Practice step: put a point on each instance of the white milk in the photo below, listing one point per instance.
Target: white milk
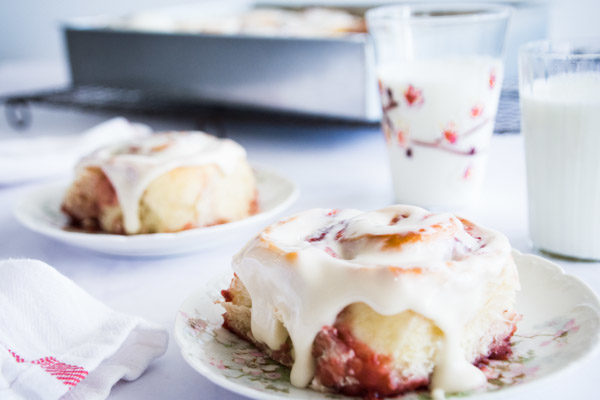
(438, 123)
(561, 124)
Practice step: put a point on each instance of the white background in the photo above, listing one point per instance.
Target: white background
(334, 167)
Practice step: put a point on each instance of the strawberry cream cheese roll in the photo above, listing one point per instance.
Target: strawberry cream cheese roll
(376, 303)
(163, 182)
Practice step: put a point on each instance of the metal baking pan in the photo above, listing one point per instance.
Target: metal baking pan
(323, 77)
(328, 77)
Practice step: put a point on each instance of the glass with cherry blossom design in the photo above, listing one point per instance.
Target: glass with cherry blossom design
(439, 69)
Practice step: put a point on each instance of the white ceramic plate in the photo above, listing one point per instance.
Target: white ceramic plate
(560, 327)
(40, 212)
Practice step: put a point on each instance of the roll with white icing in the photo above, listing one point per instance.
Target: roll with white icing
(162, 182)
(376, 303)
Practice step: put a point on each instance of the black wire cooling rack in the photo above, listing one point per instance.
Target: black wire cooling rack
(153, 103)
(508, 118)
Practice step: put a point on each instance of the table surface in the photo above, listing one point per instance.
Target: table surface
(333, 166)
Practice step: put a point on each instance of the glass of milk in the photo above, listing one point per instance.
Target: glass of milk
(440, 70)
(559, 85)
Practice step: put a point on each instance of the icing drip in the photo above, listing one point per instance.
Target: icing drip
(301, 272)
(132, 166)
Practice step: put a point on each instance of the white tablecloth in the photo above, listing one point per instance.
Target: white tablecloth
(334, 167)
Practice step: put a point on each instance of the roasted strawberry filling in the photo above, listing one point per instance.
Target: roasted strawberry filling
(351, 367)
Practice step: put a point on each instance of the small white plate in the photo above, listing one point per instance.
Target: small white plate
(40, 212)
(560, 327)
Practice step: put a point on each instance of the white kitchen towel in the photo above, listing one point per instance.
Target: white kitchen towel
(28, 158)
(56, 341)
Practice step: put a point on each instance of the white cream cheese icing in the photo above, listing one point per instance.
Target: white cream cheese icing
(131, 166)
(301, 272)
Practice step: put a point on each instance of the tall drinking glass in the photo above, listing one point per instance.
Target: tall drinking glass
(560, 106)
(440, 71)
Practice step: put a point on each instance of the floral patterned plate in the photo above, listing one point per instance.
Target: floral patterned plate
(560, 326)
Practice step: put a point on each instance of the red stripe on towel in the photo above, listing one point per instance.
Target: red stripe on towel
(68, 374)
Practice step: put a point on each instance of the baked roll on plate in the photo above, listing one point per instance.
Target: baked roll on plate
(158, 194)
(377, 303)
